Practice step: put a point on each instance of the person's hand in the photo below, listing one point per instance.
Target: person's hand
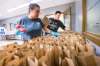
(55, 33)
(66, 29)
(18, 26)
(22, 30)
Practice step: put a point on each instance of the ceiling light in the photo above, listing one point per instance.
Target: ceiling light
(19, 7)
(35, 1)
(23, 5)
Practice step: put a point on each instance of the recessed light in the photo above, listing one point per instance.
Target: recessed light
(23, 5)
(19, 7)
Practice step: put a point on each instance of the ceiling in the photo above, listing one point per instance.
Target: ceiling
(10, 8)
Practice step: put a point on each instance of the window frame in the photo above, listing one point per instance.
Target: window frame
(91, 36)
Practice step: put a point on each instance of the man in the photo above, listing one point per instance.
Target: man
(55, 23)
(30, 26)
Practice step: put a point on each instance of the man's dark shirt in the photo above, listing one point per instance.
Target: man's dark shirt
(55, 24)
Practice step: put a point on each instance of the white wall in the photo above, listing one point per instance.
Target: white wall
(7, 22)
(44, 12)
(73, 16)
(6, 5)
(77, 16)
(21, 6)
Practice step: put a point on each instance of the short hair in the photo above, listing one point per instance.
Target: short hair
(32, 6)
(58, 12)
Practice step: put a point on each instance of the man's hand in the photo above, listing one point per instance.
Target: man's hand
(67, 28)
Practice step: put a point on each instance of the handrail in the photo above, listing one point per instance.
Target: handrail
(93, 37)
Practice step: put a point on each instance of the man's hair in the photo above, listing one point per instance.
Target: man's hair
(32, 6)
(58, 12)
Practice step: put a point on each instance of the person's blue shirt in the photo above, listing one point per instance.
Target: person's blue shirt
(33, 27)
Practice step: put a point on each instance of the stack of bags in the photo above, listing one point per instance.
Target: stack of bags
(69, 49)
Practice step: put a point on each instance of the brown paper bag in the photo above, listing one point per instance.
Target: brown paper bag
(89, 49)
(64, 63)
(2, 62)
(42, 61)
(32, 62)
(50, 58)
(39, 53)
(70, 61)
(86, 60)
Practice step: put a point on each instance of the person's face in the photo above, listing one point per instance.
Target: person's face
(35, 13)
(57, 16)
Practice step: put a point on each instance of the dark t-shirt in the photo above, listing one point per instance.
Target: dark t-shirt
(33, 27)
(55, 24)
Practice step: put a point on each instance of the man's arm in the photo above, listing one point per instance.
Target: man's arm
(62, 25)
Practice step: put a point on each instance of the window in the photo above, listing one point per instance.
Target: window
(92, 22)
(93, 16)
(12, 26)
